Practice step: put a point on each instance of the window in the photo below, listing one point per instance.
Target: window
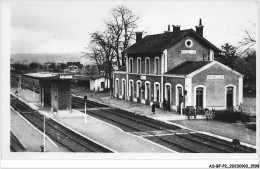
(147, 91)
(147, 65)
(199, 97)
(138, 89)
(117, 86)
(139, 65)
(229, 97)
(188, 43)
(131, 88)
(131, 65)
(157, 92)
(156, 65)
(102, 85)
(123, 88)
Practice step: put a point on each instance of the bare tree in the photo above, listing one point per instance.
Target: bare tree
(106, 43)
(96, 54)
(121, 26)
(248, 39)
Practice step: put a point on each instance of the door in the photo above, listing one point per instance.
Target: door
(180, 98)
(199, 98)
(148, 91)
(157, 93)
(168, 99)
(229, 98)
(124, 89)
(139, 92)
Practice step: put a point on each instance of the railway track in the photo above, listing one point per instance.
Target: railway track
(26, 83)
(72, 141)
(78, 102)
(163, 133)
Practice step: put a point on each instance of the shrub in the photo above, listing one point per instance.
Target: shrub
(251, 126)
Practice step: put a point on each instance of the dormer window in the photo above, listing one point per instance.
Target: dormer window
(147, 65)
(131, 65)
(188, 43)
(139, 65)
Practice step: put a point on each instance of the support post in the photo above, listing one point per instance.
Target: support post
(85, 100)
(85, 112)
(44, 135)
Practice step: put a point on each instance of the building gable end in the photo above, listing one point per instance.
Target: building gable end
(211, 64)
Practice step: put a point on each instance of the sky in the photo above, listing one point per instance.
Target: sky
(64, 27)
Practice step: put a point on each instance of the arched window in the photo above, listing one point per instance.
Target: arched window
(230, 96)
(131, 65)
(139, 65)
(131, 87)
(200, 96)
(156, 65)
(147, 90)
(138, 89)
(117, 86)
(147, 65)
(123, 87)
(179, 97)
(157, 91)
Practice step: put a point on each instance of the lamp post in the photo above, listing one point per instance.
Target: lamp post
(33, 90)
(85, 100)
(20, 82)
(44, 135)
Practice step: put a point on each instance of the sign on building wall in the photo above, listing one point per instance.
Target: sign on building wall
(213, 77)
(143, 77)
(188, 51)
(65, 76)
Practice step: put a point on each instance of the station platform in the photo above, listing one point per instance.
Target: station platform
(97, 130)
(30, 137)
(137, 108)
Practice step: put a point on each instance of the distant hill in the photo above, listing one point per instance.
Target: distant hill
(27, 58)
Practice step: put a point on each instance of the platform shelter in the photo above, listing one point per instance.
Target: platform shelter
(54, 89)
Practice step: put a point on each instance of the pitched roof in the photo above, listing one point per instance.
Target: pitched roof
(160, 42)
(188, 67)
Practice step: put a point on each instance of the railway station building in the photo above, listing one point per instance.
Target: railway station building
(54, 89)
(177, 66)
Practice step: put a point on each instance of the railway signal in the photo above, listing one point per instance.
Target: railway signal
(85, 100)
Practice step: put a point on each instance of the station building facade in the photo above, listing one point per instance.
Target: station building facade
(177, 66)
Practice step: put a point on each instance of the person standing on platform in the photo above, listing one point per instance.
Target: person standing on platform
(153, 108)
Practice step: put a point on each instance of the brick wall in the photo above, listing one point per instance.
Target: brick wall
(174, 53)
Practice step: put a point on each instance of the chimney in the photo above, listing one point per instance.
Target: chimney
(169, 29)
(199, 29)
(176, 28)
(139, 36)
